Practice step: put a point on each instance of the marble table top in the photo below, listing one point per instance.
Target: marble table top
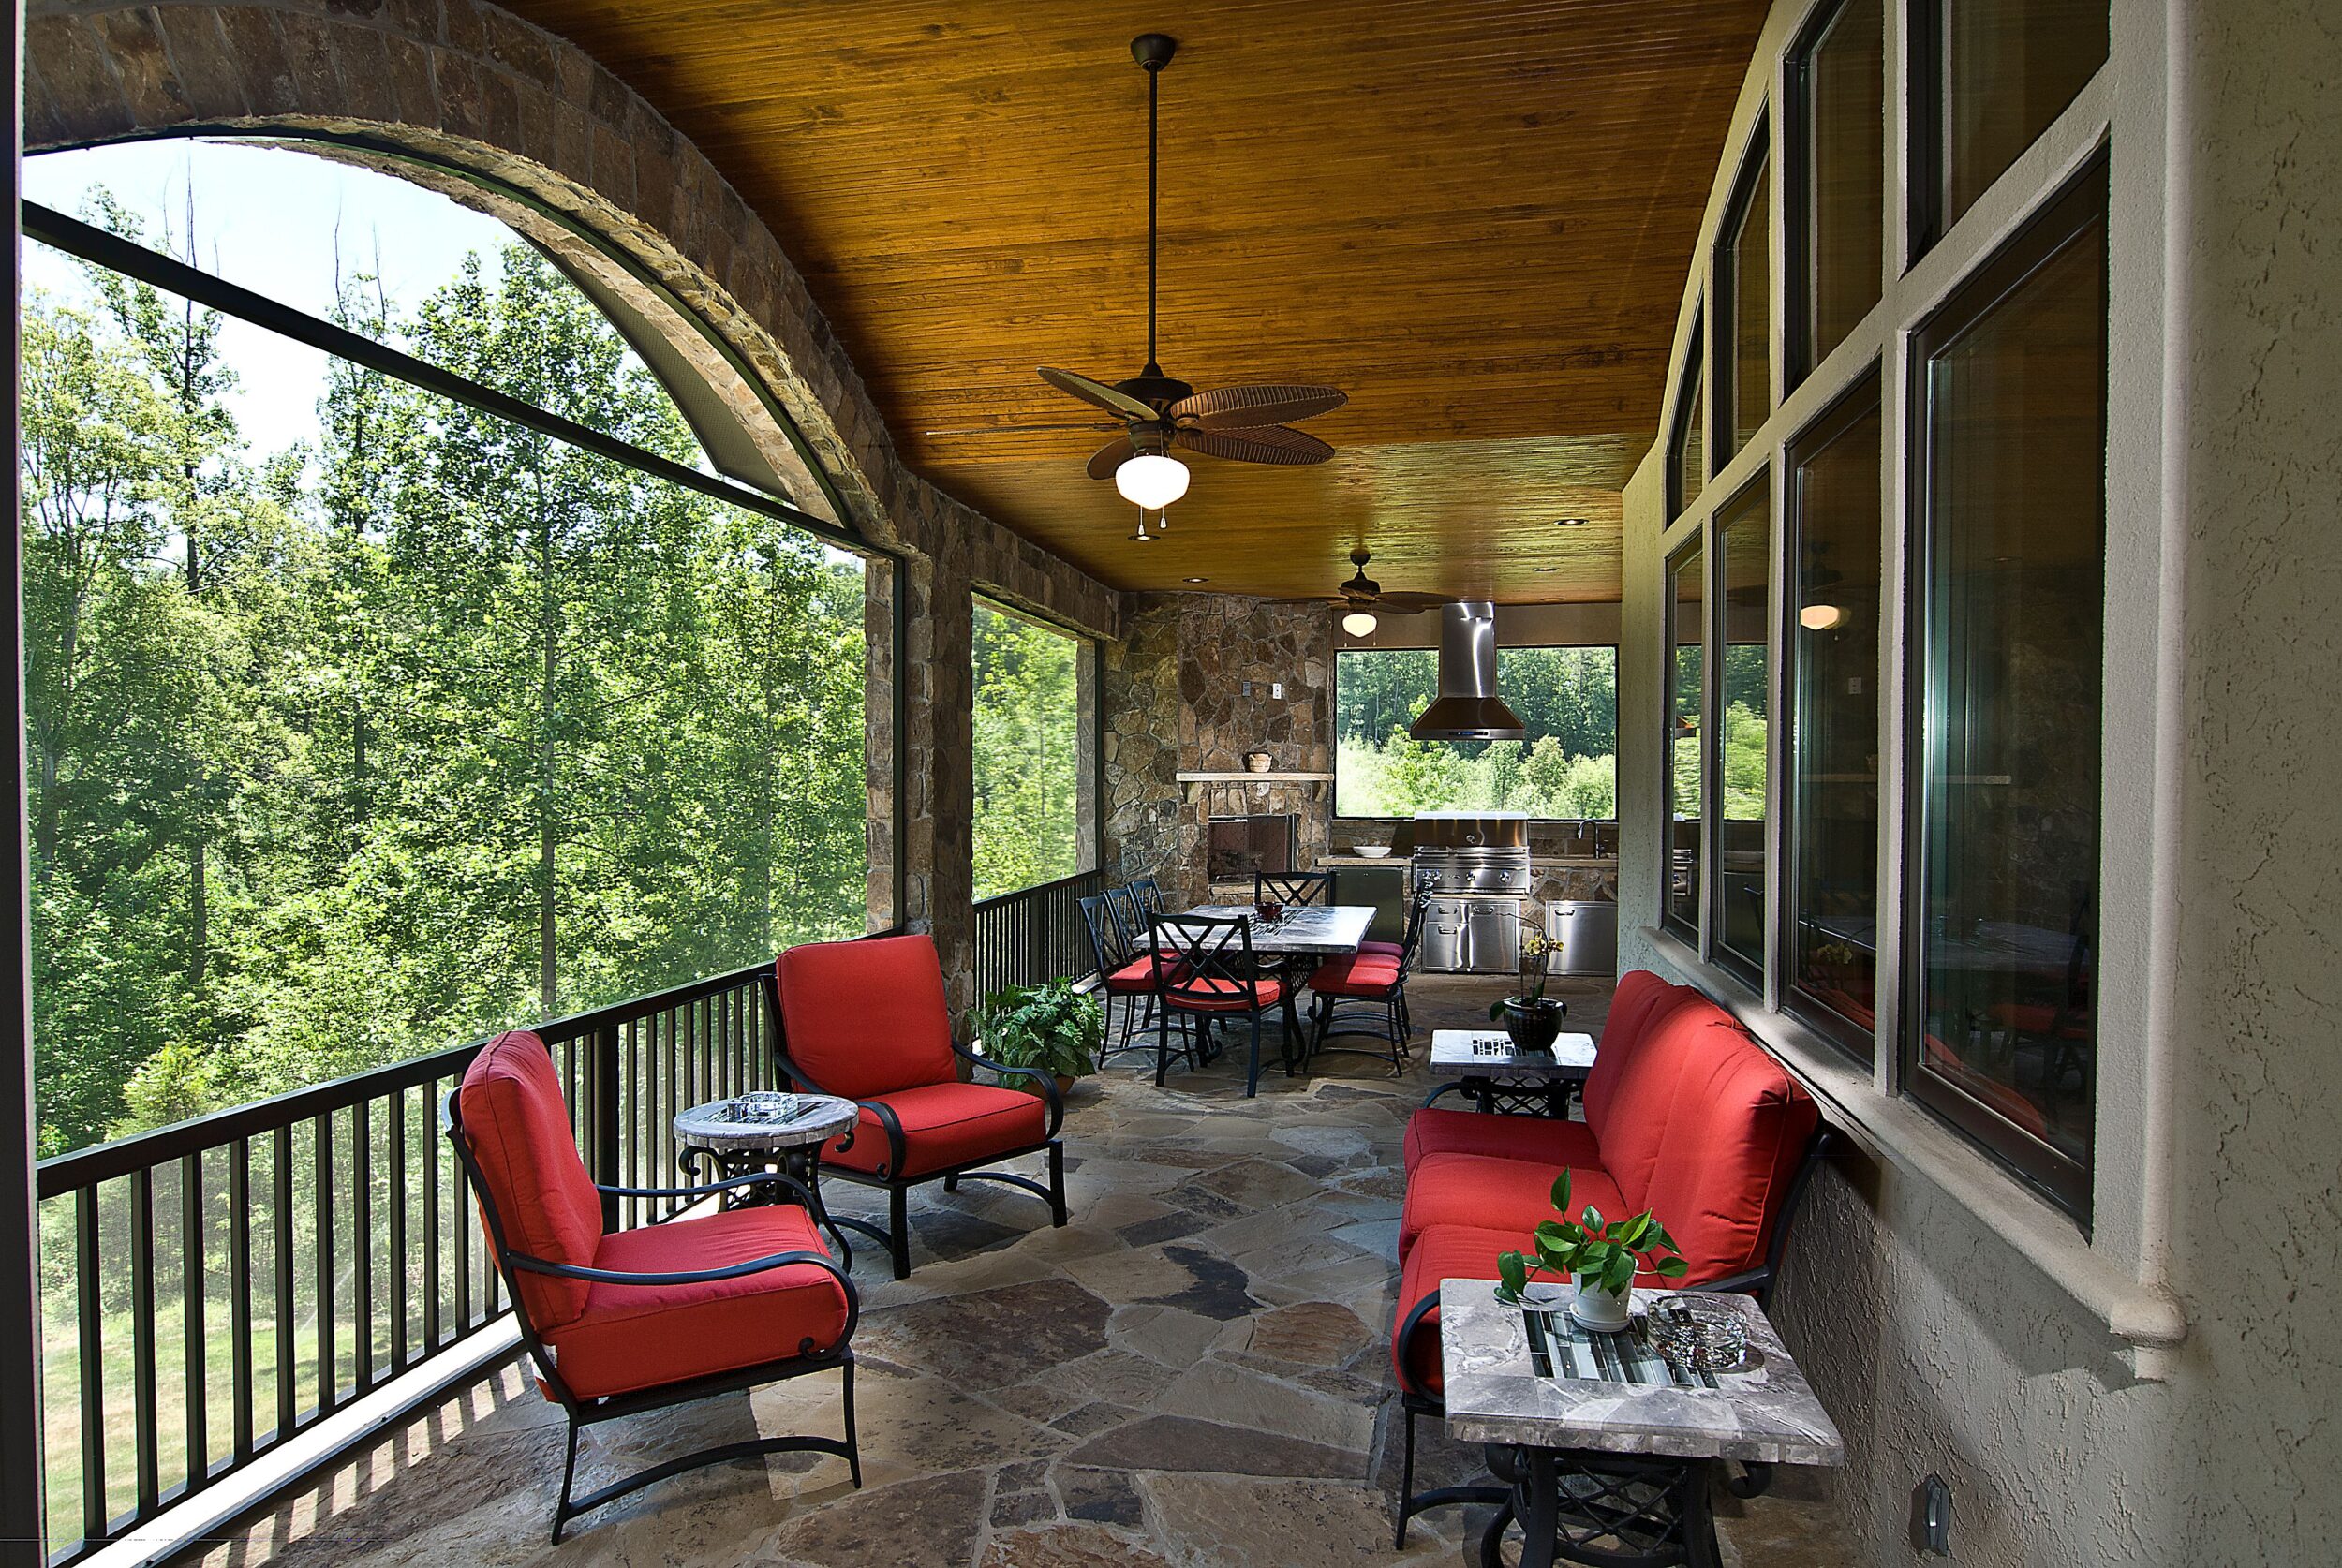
(1488, 1053)
(719, 1124)
(1312, 929)
(1496, 1393)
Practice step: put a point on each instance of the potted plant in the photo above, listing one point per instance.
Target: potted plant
(1530, 1017)
(1601, 1260)
(1052, 1027)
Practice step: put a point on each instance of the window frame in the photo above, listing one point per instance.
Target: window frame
(1799, 353)
(1089, 740)
(1859, 400)
(1693, 544)
(1755, 169)
(1690, 386)
(1333, 692)
(2061, 219)
(1755, 492)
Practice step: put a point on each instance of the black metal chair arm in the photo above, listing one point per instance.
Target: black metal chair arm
(1048, 1081)
(682, 1277)
(1407, 1327)
(896, 1150)
(1453, 1087)
(748, 1179)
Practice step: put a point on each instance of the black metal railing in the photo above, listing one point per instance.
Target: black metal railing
(214, 1288)
(1034, 934)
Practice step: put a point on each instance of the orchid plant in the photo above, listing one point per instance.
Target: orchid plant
(1602, 1255)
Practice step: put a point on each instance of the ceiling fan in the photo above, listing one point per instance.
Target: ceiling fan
(1360, 596)
(1245, 424)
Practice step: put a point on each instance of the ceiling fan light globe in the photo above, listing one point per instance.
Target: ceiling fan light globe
(1821, 617)
(1359, 623)
(1150, 480)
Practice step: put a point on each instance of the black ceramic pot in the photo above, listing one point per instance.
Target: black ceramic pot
(1533, 1025)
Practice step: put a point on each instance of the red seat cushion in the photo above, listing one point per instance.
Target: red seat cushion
(944, 1125)
(1990, 1093)
(632, 1337)
(1136, 978)
(862, 1019)
(519, 1129)
(1546, 1140)
(1642, 999)
(1383, 950)
(1732, 1145)
(1355, 975)
(1442, 1252)
(1486, 1189)
(1192, 995)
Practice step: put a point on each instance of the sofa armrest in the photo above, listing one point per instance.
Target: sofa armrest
(1055, 1101)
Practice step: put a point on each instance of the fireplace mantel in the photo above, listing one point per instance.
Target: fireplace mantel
(1254, 778)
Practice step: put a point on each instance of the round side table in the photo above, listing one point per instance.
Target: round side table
(718, 1141)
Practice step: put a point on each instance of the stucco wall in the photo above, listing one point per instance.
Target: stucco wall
(1944, 1322)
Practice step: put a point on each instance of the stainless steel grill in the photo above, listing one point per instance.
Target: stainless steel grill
(1477, 865)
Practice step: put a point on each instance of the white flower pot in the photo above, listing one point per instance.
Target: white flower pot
(1597, 1308)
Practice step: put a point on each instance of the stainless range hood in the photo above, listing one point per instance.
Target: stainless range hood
(1467, 706)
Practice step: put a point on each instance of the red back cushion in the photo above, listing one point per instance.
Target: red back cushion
(1643, 1096)
(1641, 1000)
(1732, 1149)
(862, 1019)
(514, 1114)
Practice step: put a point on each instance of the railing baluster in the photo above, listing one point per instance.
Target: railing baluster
(240, 1293)
(398, 1141)
(434, 1148)
(196, 1359)
(143, 1335)
(322, 1197)
(89, 1282)
(281, 1226)
(362, 1237)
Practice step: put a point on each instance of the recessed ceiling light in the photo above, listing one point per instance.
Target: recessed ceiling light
(1572, 522)
(1195, 579)
(1548, 569)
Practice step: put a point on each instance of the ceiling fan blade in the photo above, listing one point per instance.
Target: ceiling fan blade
(1408, 603)
(1023, 429)
(1267, 443)
(1109, 457)
(1098, 393)
(1246, 408)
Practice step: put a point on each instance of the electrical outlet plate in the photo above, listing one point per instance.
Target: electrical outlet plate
(1931, 1517)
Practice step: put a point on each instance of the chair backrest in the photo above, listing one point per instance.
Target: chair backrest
(863, 1018)
(1730, 1156)
(1098, 920)
(1205, 959)
(1128, 918)
(1293, 889)
(1641, 999)
(1149, 895)
(1418, 910)
(510, 1113)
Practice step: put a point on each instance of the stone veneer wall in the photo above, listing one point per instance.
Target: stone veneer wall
(1176, 701)
(477, 88)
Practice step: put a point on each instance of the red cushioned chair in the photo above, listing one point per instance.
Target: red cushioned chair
(867, 1020)
(631, 1321)
(1210, 976)
(1121, 972)
(1373, 984)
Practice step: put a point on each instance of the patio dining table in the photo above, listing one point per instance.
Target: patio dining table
(1306, 930)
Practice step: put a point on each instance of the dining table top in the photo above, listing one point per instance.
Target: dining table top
(1318, 930)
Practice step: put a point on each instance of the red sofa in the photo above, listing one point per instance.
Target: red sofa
(1686, 1116)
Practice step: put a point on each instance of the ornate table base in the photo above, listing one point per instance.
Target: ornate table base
(1610, 1510)
(800, 1162)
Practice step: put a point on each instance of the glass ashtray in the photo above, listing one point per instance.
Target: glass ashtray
(763, 1105)
(1697, 1336)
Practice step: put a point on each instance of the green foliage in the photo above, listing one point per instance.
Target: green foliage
(1028, 729)
(1567, 698)
(1052, 1027)
(339, 757)
(1606, 1253)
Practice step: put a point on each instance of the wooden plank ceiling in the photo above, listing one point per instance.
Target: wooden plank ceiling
(1472, 215)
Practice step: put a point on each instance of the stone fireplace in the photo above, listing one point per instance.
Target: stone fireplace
(1237, 849)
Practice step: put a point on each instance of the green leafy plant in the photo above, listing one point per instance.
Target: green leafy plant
(1052, 1027)
(1608, 1254)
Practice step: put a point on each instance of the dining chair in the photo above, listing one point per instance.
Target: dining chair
(1294, 890)
(1374, 985)
(1212, 976)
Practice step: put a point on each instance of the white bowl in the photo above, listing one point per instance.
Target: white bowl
(1369, 852)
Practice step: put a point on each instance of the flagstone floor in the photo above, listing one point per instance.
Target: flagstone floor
(1193, 1372)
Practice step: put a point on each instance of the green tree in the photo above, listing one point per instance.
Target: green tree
(1027, 726)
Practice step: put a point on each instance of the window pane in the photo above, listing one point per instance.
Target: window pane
(1027, 740)
(1567, 767)
(2012, 584)
(1687, 463)
(1842, 95)
(1833, 708)
(1745, 552)
(1687, 629)
(1744, 349)
(427, 726)
(2010, 67)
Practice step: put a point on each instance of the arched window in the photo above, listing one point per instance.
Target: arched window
(417, 643)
